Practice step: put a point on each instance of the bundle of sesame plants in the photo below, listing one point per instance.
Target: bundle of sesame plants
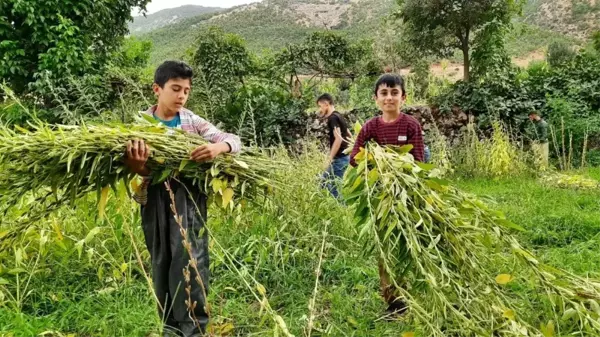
(455, 261)
(58, 164)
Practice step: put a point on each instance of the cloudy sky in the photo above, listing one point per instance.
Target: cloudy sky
(157, 5)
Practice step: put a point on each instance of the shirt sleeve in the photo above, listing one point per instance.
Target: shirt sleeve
(140, 195)
(415, 137)
(214, 135)
(361, 139)
(334, 122)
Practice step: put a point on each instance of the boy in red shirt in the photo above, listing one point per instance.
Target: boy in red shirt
(391, 128)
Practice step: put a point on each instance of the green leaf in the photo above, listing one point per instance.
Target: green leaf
(568, 314)
(509, 224)
(547, 330)
(425, 166)
(405, 148)
(163, 176)
(183, 164)
(149, 119)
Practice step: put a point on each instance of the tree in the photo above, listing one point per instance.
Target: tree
(221, 62)
(222, 59)
(59, 37)
(330, 54)
(441, 26)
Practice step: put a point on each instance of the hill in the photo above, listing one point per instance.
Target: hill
(143, 24)
(271, 24)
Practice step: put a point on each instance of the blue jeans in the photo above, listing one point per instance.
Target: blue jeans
(334, 174)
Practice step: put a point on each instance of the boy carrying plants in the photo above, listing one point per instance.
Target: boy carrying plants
(172, 85)
(391, 128)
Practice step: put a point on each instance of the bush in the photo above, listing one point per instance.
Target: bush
(265, 115)
(559, 52)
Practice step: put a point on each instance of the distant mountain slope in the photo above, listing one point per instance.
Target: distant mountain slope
(166, 17)
(576, 18)
(271, 24)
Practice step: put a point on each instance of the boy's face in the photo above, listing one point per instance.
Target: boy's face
(389, 99)
(323, 107)
(174, 94)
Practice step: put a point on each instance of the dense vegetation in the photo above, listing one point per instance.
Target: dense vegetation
(298, 254)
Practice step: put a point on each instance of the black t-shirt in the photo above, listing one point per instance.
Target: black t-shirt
(335, 120)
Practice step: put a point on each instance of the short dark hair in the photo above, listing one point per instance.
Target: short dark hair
(325, 98)
(390, 80)
(534, 113)
(169, 70)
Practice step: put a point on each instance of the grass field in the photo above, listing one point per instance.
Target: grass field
(57, 279)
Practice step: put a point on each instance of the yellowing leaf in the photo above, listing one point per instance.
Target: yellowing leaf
(225, 328)
(227, 196)
(547, 330)
(408, 334)
(357, 128)
(102, 202)
(510, 314)
(135, 185)
(503, 278)
(261, 289)
(360, 155)
(241, 164)
(216, 184)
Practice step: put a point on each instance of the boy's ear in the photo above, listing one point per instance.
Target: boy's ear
(156, 89)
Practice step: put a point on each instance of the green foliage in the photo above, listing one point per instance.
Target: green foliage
(570, 90)
(222, 59)
(57, 38)
(559, 53)
(439, 27)
(265, 114)
(327, 53)
(495, 156)
(596, 40)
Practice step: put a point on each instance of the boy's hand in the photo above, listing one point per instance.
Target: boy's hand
(209, 151)
(136, 156)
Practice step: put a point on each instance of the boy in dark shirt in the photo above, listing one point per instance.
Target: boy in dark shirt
(391, 128)
(337, 162)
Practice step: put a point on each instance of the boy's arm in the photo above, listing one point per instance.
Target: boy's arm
(415, 137)
(216, 136)
(337, 143)
(360, 142)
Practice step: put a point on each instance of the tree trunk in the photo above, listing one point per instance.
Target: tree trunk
(466, 62)
(464, 47)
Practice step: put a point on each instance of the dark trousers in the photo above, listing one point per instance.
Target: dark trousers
(169, 256)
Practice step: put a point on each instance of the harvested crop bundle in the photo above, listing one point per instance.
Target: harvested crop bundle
(569, 181)
(454, 261)
(63, 163)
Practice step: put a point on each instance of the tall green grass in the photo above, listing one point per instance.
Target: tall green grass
(56, 277)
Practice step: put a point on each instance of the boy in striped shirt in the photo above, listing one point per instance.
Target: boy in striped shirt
(172, 85)
(391, 128)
